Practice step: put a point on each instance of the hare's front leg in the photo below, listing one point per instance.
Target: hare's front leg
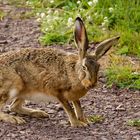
(70, 112)
(78, 111)
(7, 117)
(17, 106)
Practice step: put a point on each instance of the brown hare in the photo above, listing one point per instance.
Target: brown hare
(43, 74)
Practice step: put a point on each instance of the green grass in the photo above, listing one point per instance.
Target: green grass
(129, 43)
(96, 119)
(18, 3)
(103, 19)
(123, 76)
(2, 15)
(53, 38)
(122, 73)
(134, 123)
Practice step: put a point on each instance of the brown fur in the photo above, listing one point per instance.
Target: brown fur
(50, 73)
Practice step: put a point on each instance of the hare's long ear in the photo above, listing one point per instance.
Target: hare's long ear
(81, 37)
(104, 46)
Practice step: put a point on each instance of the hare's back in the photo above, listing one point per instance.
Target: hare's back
(34, 66)
(35, 55)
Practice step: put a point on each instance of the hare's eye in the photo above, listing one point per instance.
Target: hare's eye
(84, 68)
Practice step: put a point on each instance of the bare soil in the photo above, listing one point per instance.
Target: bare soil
(117, 106)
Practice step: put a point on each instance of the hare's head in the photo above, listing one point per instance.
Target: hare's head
(87, 66)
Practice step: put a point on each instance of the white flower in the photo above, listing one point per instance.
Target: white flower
(82, 10)
(95, 14)
(37, 14)
(56, 18)
(78, 2)
(46, 29)
(52, 1)
(110, 9)
(38, 19)
(89, 17)
(51, 27)
(95, 1)
(42, 15)
(104, 29)
(103, 24)
(70, 21)
(28, 2)
(49, 18)
(49, 11)
(90, 3)
(56, 12)
(105, 19)
(78, 15)
(136, 73)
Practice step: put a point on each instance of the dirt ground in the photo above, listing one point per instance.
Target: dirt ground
(117, 106)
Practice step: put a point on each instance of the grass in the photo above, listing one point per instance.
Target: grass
(53, 38)
(134, 123)
(123, 76)
(2, 15)
(122, 73)
(18, 3)
(96, 118)
(103, 19)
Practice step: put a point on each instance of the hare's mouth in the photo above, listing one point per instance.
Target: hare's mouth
(91, 86)
(88, 84)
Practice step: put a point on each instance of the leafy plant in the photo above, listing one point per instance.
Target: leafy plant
(101, 17)
(96, 118)
(121, 74)
(134, 123)
(54, 39)
(2, 14)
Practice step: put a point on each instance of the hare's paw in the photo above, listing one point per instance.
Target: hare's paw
(78, 123)
(39, 114)
(18, 120)
(11, 119)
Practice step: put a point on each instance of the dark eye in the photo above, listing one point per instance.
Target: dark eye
(84, 68)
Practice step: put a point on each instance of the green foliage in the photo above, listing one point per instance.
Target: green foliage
(96, 119)
(17, 3)
(103, 19)
(122, 75)
(54, 39)
(134, 123)
(2, 14)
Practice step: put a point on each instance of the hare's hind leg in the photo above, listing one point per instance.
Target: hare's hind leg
(78, 111)
(70, 112)
(17, 106)
(7, 117)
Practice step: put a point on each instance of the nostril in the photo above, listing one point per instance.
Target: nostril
(91, 86)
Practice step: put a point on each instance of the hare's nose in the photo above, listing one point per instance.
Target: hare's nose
(93, 85)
